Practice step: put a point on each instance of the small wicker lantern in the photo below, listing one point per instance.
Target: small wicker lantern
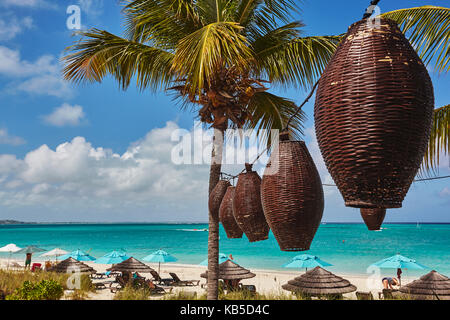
(373, 218)
(247, 207)
(292, 195)
(226, 215)
(216, 196)
(373, 113)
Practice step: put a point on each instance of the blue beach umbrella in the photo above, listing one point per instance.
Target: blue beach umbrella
(159, 256)
(306, 261)
(399, 262)
(78, 255)
(222, 258)
(116, 256)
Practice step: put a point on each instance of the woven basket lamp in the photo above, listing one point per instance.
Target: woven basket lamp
(373, 218)
(292, 195)
(226, 215)
(216, 196)
(373, 113)
(247, 207)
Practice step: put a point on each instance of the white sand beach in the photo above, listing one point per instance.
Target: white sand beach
(266, 281)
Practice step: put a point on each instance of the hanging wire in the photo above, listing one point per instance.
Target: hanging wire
(418, 180)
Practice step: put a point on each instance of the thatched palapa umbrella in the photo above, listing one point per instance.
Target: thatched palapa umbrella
(433, 285)
(70, 265)
(319, 282)
(229, 270)
(131, 265)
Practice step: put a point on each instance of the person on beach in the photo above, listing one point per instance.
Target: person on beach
(28, 260)
(388, 282)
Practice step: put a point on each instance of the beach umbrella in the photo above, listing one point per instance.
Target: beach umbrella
(70, 265)
(222, 258)
(247, 206)
(159, 256)
(399, 262)
(113, 257)
(10, 248)
(319, 282)
(230, 270)
(78, 255)
(54, 253)
(29, 249)
(373, 114)
(131, 265)
(432, 285)
(306, 261)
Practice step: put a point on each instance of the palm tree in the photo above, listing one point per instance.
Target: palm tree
(219, 56)
(428, 30)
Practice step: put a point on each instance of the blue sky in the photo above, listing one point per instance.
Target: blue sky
(96, 153)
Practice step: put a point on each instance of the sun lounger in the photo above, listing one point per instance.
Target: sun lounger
(364, 295)
(159, 280)
(179, 282)
(388, 294)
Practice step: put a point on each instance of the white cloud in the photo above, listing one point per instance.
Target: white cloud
(78, 175)
(91, 7)
(6, 138)
(10, 28)
(27, 3)
(445, 192)
(41, 77)
(65, 115)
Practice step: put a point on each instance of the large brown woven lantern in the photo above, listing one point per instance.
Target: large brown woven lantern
(247, 207)
(373, 218)
(292, 195)
(226, 215)
(216, 196)
(373, 112)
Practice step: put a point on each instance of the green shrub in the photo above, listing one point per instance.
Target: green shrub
(12, 280)
(44, 290)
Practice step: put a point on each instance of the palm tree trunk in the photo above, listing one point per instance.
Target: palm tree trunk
(213, 237)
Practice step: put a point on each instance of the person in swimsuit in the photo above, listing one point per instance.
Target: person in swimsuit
(28, 260)
(389, 282)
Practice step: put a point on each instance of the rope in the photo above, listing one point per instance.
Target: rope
(370, 9)
(301, 106)
(231, 177)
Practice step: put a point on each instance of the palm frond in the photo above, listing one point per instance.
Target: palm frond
(300, 61)
(428, 30)
(202, 53)
(101, 53)
(439, 139)
(163, 22)
(271, 112)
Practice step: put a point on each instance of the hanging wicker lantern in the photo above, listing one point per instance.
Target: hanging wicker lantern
(373, 218)
(226, 215)
(292, 195)
(247, 207)
(216, 196)
(373, 112)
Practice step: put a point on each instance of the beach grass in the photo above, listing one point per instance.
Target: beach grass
(132, 293)
(12, 280)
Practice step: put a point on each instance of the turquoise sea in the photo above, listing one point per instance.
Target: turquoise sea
(349, 247)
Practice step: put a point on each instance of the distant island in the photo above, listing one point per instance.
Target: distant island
(3, 222)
